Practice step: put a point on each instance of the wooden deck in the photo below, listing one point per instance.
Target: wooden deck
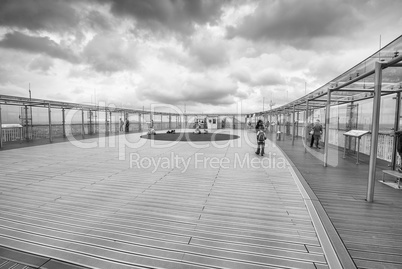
(87, 207)
(371, 232)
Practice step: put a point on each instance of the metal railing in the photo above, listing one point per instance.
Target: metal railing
(336, 138)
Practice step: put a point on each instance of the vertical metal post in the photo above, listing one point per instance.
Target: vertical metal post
(285, 121)
(170, 121)
(358, 149)
(270, 122)
(97, 120)
(161, 128)
(282, 129)
(233, 122)
(374, 131)
(278, 124)
(139, 122)
(327, 119)
(26, 124)
(1, 131)
(106, 125)
(63, 122)
(344, 148)
(306, 126)
(82, 124)
(127, 129)
(50, 123)
(110, 122)
(297, 122)
(90, 122)
(284, 117)
(350, 124)
(94, 123)
(396, 128)
(294, 125)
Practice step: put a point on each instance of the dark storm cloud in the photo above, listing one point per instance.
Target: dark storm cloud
(34, 44)
(297, 22)
(110, 53)
(175, 15)
(208, 97)
(48, 15)
(202, 89)
(96, 20)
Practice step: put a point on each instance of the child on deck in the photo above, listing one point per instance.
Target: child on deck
(261, 137)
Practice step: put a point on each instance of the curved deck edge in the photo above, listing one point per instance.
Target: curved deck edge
(335, 251)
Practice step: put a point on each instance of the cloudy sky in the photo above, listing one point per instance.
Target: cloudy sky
(207, 55)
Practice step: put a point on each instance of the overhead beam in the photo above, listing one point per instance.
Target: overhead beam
(396, 65)
(359, 90)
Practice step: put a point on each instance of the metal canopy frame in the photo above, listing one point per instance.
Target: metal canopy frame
(31, 102)
(357, 83)
(377, 76)
(51, 104)
(25, 101)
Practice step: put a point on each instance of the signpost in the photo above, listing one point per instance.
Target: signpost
(358, 135)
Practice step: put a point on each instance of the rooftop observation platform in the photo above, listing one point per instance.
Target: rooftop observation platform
(154, 204)
(100, 207)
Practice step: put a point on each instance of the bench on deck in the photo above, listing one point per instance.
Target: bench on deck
(393, 173)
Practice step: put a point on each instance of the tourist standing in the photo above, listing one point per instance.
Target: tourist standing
(121, 125)
(261, 137)
(267, 126)
(127, 125)
(317, 132)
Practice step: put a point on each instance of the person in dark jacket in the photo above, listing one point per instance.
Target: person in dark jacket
(127, 125)
(317, 131)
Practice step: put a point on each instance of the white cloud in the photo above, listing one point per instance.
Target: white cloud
(41, 63)
(110, 53)
(207, 54)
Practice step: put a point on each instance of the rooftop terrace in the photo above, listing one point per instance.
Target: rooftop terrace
(100, 208)
(120, 201)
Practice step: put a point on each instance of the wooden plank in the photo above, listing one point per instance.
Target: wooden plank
(371, 231)
(86, 205)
